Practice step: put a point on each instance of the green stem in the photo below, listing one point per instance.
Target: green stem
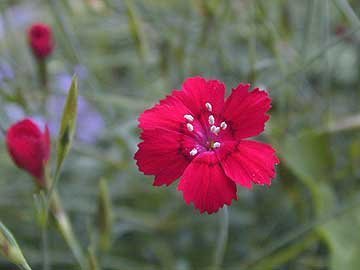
(44, 238)
(43, 81)
(66, 229)
(42, 73)
(284, 255)
(222, 239)
(252, 44)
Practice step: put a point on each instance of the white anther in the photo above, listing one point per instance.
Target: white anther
(223, 125)
(189, 117)
(208, 106)
(211, 120)
(190, 127)
(216, 145)
(215, 130)
(193, 152)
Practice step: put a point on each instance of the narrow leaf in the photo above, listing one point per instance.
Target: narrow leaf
(104, 215)
(136, 30)
(68, 124)
(93, 262)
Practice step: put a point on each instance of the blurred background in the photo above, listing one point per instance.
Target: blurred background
(129, 54)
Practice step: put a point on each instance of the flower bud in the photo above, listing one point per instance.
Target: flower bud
(29, 148)
(10, 249)
(41, 40)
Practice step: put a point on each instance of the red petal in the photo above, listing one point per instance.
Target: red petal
(205, 184)
(168, 114)
(28, 147)
(198, 91)
(248, 162)
(245, 112)
(165, 154)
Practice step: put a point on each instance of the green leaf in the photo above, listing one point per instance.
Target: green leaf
(136, 29)
(68, 125)
(92, 260)
(343, 240)
(104, 217)
(309, 157)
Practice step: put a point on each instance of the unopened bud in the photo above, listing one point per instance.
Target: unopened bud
(10, 249)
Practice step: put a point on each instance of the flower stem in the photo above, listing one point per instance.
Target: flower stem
(222, 239)
(43, 81)
(45, 246)
(66, 229)
(42, 73)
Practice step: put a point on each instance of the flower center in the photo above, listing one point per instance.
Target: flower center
(212, 131)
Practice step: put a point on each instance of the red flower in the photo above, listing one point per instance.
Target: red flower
(197, 135)
(29, 147)
(41, 40)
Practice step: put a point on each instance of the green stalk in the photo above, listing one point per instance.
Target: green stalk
(45, 246)
(42, 73)
(43, 81)
(66, 229)
(222, 239)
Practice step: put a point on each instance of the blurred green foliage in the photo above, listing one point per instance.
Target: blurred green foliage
(306, 53)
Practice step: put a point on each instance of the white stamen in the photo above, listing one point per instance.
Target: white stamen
(193, 152)
(211, 120)
(190, 127)
(189, 117)
(216, 145)
(208, 106)
(223, 125)
(215, 130)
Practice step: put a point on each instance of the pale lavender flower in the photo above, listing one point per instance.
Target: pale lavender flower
(16, 113)
(6, 73)
(90, 123)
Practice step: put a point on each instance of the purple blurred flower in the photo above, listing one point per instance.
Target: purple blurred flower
(15, 113)
(90, 124)
(20, 16)
(6, 72)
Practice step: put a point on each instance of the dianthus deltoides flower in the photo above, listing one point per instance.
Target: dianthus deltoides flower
(196, 135)
(41, 40)
(29, 148)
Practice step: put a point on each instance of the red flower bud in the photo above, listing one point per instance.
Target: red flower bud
(41, 40)
(29, 148)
